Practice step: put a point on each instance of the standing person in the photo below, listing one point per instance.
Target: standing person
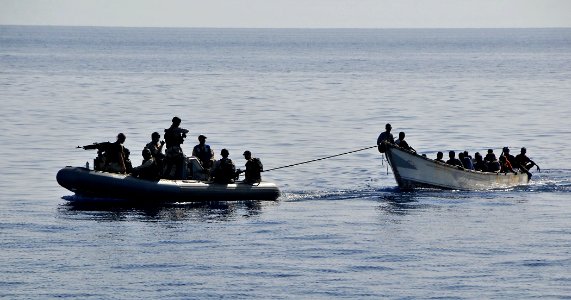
(174, 157)
(385, 136)
(204, 153)
(156, 146)
(224, 169)
(254, 168)
(523, 161)
(115, 156)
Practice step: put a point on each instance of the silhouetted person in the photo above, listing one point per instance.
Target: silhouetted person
(156, 146)
(204, 153)
(174, 157)
(479, 164)
(439, 157)
(115, 156)
(402, 143)
(254, 168)
(453, 160)
(467, 161)
(506, 160)
(492, 163)
(224, 169)
(523, 161)
(385, 136)
(149, 169)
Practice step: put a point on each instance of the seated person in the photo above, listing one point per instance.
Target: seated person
(402, 143)
(204, 153)
(254, 168)
(224, 169)
(453, 160)
(467, 161)
(492, 163)
(115, 156)
(439, 157)
(479, 164)
(505, 165)
(149, 169)
(507, 161)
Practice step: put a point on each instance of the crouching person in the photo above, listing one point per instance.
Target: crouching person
(254, 168)
(224, 169)
(149, 169)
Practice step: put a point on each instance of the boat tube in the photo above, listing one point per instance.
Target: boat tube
(97, 184)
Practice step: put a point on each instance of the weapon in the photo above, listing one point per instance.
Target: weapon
(99, 146)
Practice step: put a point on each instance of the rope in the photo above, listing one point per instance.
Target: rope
(314, 160)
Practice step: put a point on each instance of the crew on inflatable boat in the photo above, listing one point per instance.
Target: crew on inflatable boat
(224, 169)
(204, 153)
(253, 170)
(149, 169)
(175, 162)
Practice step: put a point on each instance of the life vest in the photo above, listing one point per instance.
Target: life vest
(203, 153)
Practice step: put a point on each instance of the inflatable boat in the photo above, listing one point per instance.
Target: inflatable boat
(90, 184)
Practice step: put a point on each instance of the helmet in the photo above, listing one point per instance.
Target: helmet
(146, 153)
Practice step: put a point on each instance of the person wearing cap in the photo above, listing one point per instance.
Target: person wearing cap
(385, 136)
(525, 162)
(115, 156)
(174, 157)
(254, 167)
(224, 169)
(204, 153)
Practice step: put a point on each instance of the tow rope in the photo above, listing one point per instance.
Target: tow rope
(318, 159)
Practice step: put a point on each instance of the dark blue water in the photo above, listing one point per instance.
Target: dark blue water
(341, 229)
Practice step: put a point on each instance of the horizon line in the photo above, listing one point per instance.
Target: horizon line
(274, 28)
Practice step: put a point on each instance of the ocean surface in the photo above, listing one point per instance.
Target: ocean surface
(341, 229)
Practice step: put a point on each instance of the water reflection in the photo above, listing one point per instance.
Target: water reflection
(215, 211)
(398, 202)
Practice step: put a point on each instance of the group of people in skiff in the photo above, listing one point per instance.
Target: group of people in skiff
(173, 163)
(489, 163)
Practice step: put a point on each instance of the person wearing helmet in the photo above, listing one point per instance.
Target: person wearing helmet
(224, 170)
(174, 157)
(148, 168)
(254, 168)
(385, 136)
(115, 156)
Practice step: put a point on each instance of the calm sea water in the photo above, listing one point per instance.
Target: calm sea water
(341, 229)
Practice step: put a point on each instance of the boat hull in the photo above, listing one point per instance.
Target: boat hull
(96, 184)
(414, 171)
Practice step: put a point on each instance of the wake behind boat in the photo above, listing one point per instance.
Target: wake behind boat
(97, 184)
(415, 171)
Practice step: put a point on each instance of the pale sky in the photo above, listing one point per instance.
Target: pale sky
(290, 13)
